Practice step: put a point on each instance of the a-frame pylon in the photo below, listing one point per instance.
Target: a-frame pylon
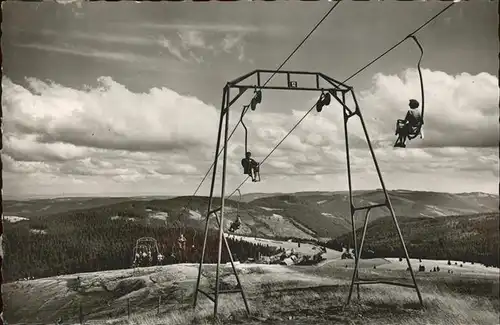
(338, 91)
(218, 213)
(387, 204)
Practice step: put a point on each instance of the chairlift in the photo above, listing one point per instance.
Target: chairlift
(250, 166)
(405, 129)
(324, 100)
(235, 225)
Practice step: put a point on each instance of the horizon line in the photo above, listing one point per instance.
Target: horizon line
(171, 196)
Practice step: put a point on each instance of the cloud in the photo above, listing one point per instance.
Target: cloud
(99, 37)
(109, 55)
(194, 45)
(172, 49)
(109, 139)
(193, 39)
(26, 148)
(207, 27)
(106, 117)
(460, 110)
(89, 51)
(187, 45)
(233, 42)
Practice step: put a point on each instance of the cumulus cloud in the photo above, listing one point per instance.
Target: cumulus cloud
(107, 117)
(107, 138)
(460, 110)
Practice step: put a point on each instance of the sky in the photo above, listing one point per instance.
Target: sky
(123, 99)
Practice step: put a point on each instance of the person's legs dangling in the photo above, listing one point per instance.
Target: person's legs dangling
(402, 132)
(257, 172)
(404, 135)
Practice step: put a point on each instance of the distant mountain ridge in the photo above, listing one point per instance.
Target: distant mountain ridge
(303, 214)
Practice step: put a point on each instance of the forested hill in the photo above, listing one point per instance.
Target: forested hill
(470, 238)
(46, 237)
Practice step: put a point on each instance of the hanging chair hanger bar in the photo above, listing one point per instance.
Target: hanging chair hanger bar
(422, 96)
(238, 206)
(243, 112)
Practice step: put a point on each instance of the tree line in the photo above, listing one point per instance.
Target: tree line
(461, 238)
(92, 241)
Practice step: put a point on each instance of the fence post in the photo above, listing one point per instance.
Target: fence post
(80, 313)
(128, 308)
(159, 303)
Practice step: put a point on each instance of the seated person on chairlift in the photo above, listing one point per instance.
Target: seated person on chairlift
(235, 225)
(251, 167)
(410, 124)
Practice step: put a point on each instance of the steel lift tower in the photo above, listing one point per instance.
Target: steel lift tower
(329, 87)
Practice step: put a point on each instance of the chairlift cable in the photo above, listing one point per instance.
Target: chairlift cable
(303, 41)
(275, 147)
(357, 72)
(284, 62)
(399, 43)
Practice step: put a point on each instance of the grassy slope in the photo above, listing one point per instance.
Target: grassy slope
(277, 295)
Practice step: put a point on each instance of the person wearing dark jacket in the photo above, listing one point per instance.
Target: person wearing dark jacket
(251, 167)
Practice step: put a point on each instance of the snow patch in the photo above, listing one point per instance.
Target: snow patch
(195, 215)
(270, 209)
(119, 217)
(277, 217)
(14, 219)
(38, 231)
(436, 210)
(159, 215)
(149, 210)
(321, 202)
(326, 214)
(305, 248)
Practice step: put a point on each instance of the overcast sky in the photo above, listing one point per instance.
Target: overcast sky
(122, 98)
